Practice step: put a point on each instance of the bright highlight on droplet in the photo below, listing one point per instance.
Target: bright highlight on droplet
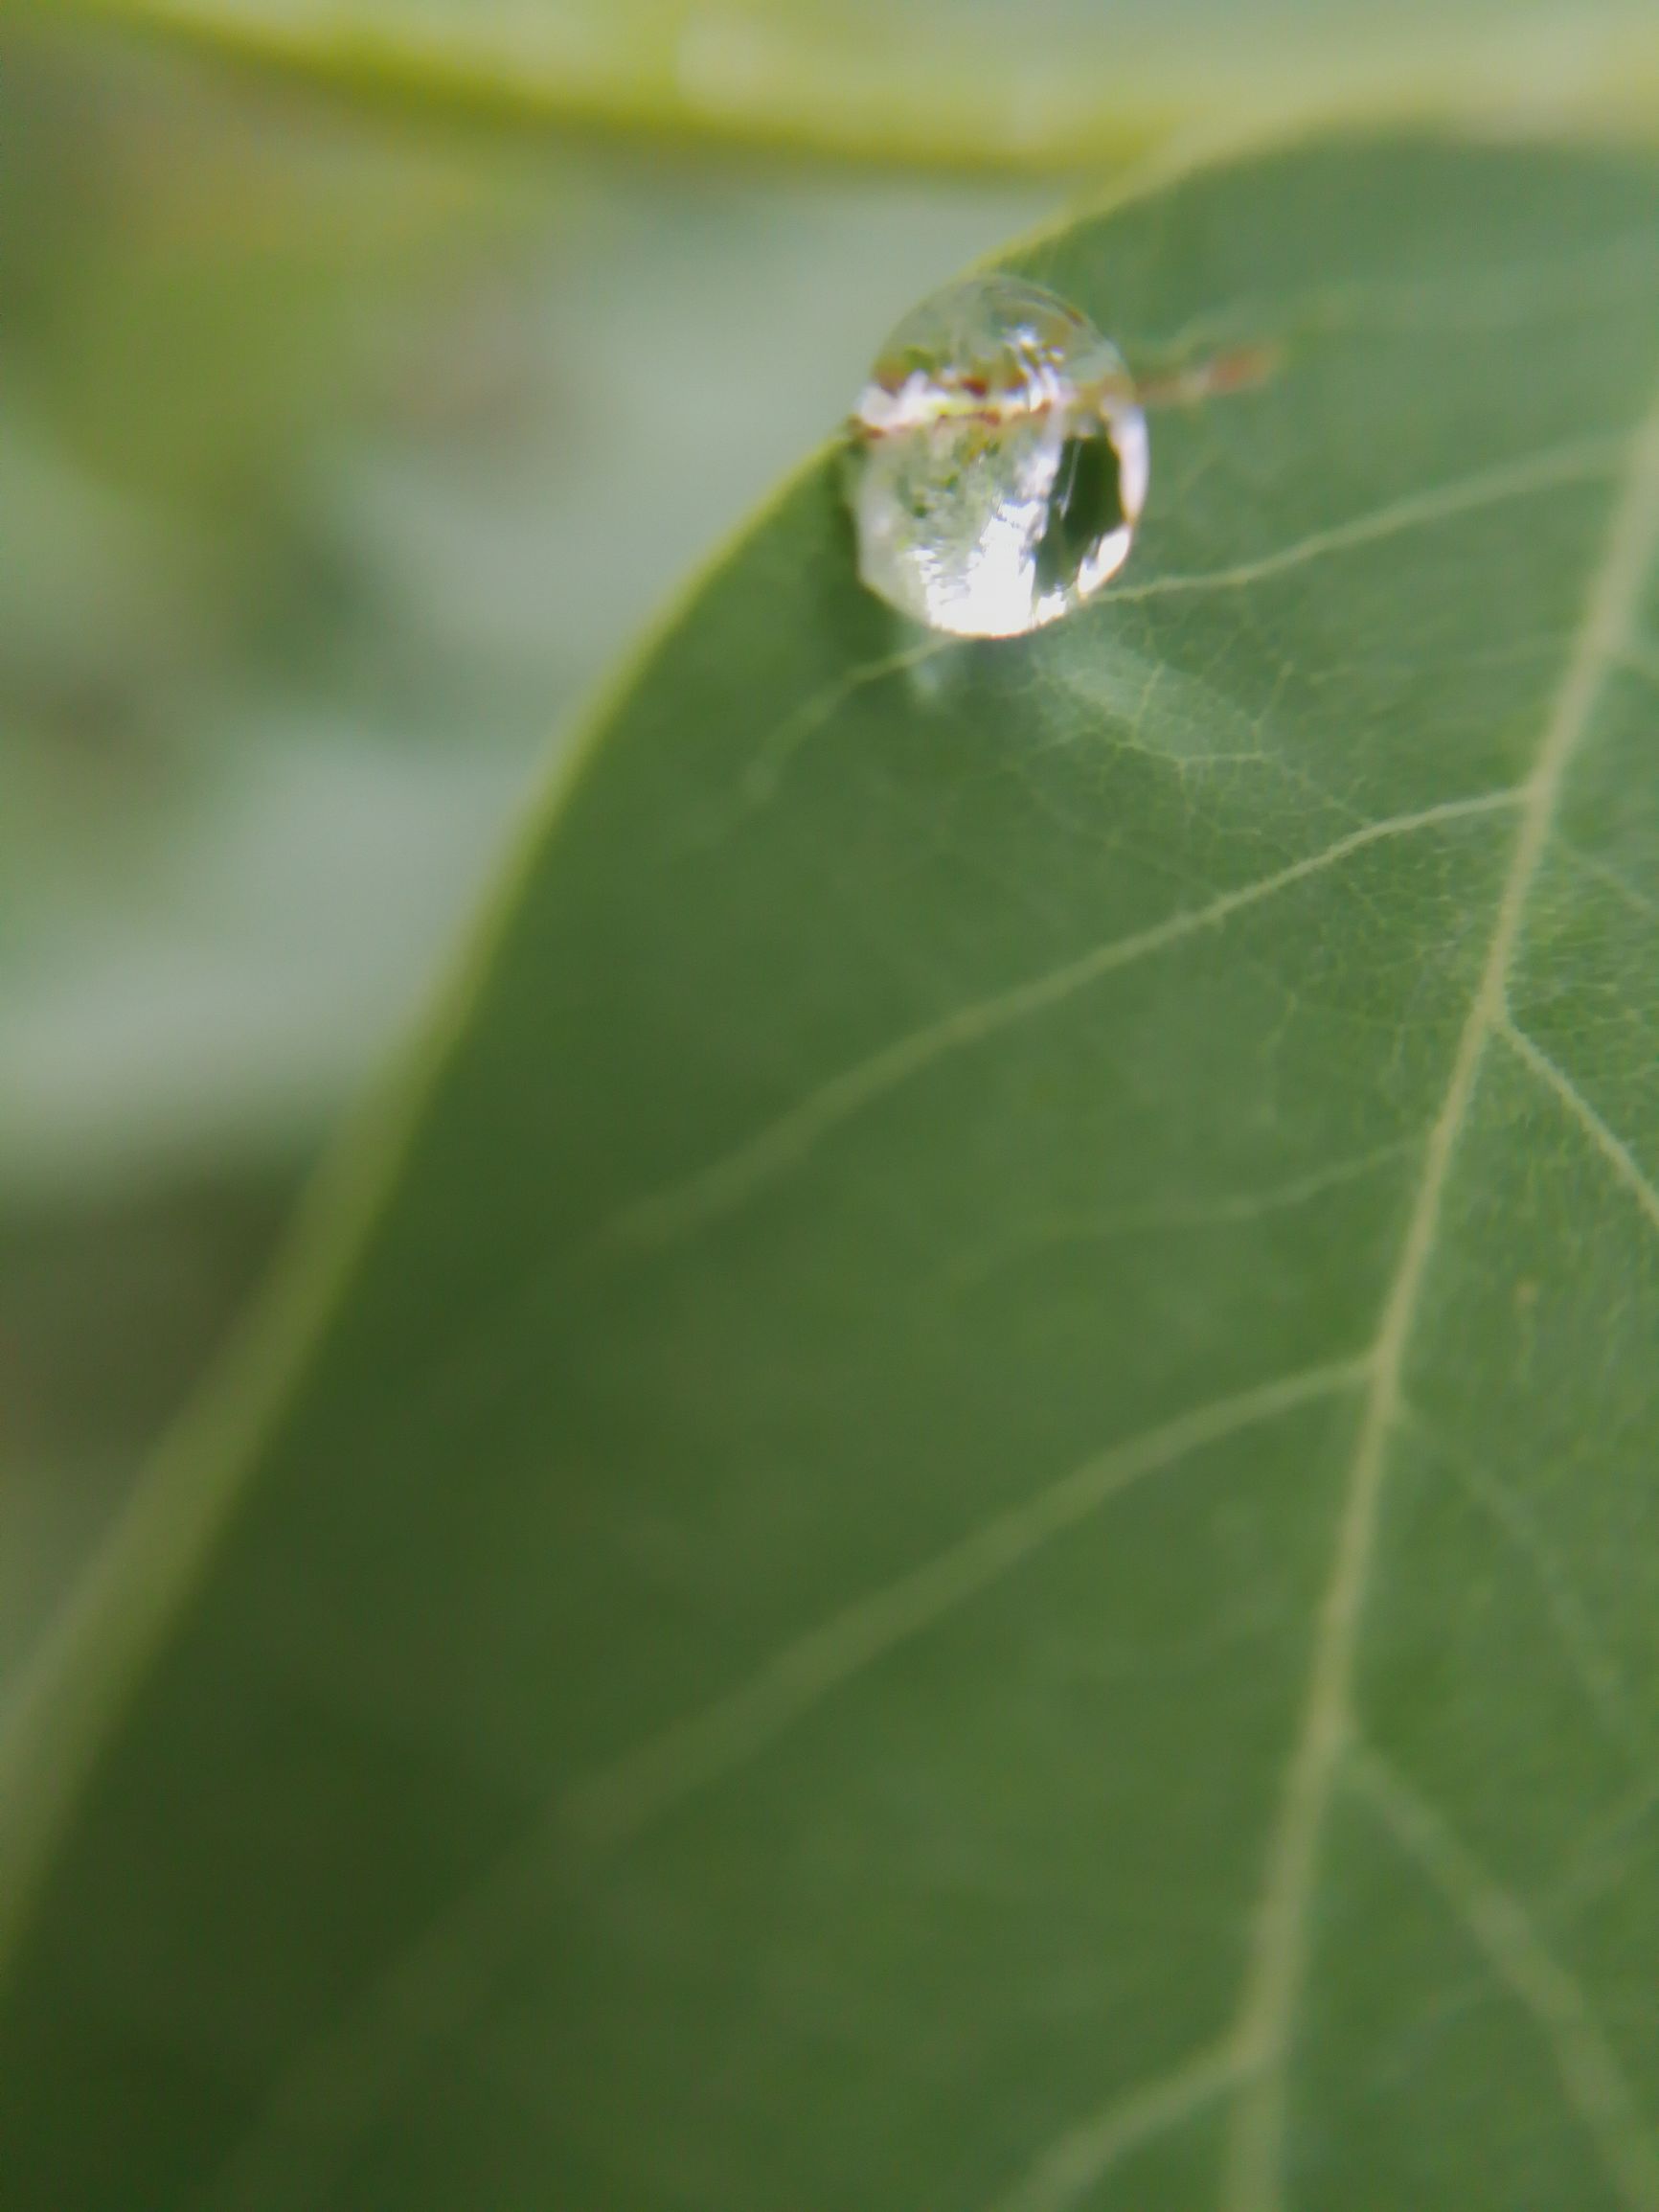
(999, 461)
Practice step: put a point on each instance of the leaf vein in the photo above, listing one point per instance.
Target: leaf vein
(1612, 1148)
(1274, 1977)
(1578, 460)
(1639, 902)
(760, 781)
(1597, 1676)
(1071, 2166)
(712, 1192)
(725, 1736)
(1591, 2077)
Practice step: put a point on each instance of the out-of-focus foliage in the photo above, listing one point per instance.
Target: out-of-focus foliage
(1013, 84)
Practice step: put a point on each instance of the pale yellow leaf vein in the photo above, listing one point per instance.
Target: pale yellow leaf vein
(1592, 2080)
(728, 1734)
(1639, 902)
(1070, 2167)
(759, 780)
(1243, 1206)
(1612, 1148)
(1578, 460)
(1592, 1666)
(1233, 1209)
(782, 1144)
(1611, 1849)
(1273, 1981)
(353, 2071)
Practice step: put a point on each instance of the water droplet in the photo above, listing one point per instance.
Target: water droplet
(999, 461)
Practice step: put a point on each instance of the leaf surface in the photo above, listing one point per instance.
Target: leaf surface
(1021, 85)
(961, 1512)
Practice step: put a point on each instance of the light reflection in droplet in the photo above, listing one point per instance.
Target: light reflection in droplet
(999, 462)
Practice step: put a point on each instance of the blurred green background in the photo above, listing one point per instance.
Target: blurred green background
(341, 449)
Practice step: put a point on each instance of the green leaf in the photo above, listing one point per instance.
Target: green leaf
(961, 1510)
(1022, 84)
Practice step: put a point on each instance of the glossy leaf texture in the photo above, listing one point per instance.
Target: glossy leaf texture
(961, 1511)
(1020, 84)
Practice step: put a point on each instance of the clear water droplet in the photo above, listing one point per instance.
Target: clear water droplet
(999, 461)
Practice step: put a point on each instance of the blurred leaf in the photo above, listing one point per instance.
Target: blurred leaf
(290, 924)
(1020, 84)
(962, 1513)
